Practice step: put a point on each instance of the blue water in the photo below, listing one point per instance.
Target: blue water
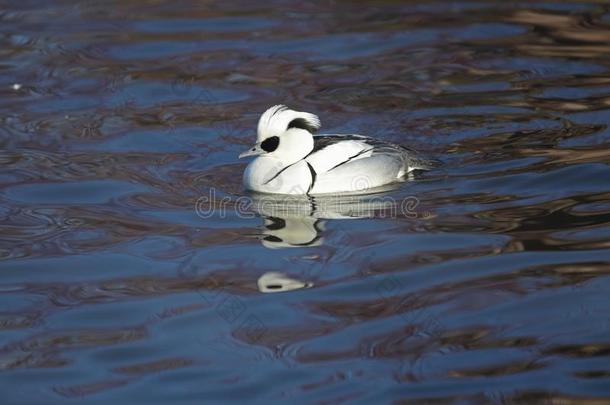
(134, 268)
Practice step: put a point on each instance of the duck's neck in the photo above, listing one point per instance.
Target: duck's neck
(295, 144)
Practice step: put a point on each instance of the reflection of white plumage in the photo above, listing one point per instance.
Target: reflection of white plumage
(277, 282)
(291, 231)
(299, 221)
(291, 160)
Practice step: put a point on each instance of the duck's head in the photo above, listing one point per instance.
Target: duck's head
(284, 134)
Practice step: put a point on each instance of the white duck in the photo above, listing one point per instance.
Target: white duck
(291, 160)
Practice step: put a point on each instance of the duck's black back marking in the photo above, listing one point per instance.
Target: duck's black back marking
(313, 177)
(301, 123)
(362, 152)
(270, 144)
(322, 141)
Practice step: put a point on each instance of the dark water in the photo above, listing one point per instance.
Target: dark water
(131, 269)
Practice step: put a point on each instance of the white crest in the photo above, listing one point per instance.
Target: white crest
(275, 121)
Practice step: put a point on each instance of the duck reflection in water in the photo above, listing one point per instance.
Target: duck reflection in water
(273, 282)
(299, 221)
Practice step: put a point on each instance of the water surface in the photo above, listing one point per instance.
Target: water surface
(133, 266)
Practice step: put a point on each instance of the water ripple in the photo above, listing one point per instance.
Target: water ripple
(134, 265)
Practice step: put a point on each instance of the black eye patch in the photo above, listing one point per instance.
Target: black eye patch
(301, 123)
(270, 144)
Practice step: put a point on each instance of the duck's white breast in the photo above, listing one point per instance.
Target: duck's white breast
(267, 175)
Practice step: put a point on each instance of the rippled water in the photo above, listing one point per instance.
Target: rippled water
(134, 267)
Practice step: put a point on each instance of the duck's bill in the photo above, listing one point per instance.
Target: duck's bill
(253, 151)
